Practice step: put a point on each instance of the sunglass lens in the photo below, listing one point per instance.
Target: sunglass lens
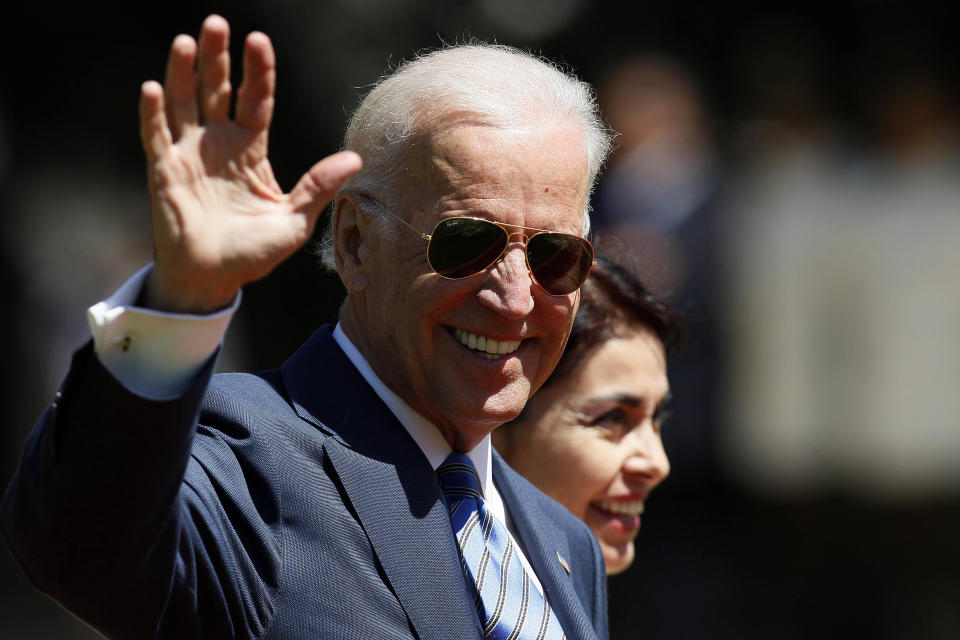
(462, 247)
(559, 262)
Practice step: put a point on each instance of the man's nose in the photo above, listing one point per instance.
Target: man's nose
(507, 289)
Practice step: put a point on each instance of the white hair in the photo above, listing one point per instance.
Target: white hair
(497, 85)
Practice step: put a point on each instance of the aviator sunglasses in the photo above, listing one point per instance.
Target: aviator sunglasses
(460, 247)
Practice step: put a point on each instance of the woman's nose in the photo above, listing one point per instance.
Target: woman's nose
(647, 462)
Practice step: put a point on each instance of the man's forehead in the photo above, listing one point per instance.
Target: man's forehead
(477, 167)
(471, 137)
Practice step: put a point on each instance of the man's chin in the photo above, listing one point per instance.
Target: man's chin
(508, 404)
(491, 412)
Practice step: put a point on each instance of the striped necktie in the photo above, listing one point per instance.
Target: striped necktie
(510, 607)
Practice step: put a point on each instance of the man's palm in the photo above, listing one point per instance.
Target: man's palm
(220, 219)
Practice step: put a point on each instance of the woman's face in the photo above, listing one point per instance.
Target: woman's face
(591, 440)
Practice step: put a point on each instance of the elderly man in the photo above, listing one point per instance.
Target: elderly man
(353, 493)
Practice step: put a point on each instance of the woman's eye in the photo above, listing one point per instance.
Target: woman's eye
(611, 417)
(661, 415)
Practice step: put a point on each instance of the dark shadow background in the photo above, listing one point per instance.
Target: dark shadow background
(722, 554)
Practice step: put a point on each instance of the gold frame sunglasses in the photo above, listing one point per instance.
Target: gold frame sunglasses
(464, 246)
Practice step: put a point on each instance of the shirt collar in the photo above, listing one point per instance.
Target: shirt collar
(434, 446)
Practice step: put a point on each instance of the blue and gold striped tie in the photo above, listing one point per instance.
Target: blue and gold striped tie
(510, 607)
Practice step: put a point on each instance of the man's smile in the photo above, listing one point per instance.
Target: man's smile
(486, 347)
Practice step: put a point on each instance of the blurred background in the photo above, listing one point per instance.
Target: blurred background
(789, 176)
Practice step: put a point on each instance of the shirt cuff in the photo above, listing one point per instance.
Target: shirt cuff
(153, 353)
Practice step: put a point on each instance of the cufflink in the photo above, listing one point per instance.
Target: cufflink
(563, 563)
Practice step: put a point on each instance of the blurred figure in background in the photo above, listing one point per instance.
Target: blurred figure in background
(844, 319)
(590, 438)
(663, 171)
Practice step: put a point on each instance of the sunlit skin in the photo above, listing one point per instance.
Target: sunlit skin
(591, 440)
(401, 315)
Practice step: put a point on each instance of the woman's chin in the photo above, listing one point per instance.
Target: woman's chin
(618, 557)
(615, 533)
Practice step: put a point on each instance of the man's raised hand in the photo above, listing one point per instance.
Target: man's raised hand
(220, 220)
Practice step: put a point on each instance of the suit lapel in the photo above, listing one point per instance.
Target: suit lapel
(400, 509)
(390, 486)
(544, 545)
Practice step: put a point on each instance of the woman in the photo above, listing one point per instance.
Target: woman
(590, 437)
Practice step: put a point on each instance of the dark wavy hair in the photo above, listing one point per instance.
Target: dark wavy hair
(612, 299)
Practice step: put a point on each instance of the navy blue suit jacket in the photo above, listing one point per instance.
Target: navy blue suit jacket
(289, 504)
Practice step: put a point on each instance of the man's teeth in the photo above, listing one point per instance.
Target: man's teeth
(621, 507)
(488, 347)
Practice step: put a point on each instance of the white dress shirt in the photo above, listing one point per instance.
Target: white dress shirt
(152, 353)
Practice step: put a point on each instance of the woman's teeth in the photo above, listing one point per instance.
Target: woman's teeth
(621, 507)
(486, 347)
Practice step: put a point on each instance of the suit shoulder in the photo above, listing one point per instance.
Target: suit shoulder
(245, 395)
(575, 529)
(528, 492)
(246, 387)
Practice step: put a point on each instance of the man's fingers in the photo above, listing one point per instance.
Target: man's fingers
(180, 85)
(214, 69)
(255, 96)
(154, 132)
(320, 183)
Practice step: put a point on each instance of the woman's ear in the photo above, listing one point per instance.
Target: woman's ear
(349, 231)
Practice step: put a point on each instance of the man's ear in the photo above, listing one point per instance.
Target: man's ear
(349, 231)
